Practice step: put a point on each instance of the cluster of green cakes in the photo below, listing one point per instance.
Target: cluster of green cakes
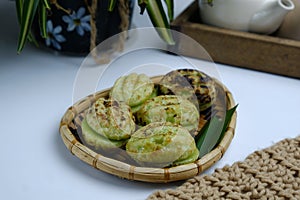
(155, 123)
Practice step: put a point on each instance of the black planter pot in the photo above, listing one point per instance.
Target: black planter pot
(71, 33)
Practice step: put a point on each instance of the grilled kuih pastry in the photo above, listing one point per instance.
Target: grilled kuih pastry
(162, 144)
(169, 108)
(191, 84)
(108, 119)
(98, 141)
(134, 89)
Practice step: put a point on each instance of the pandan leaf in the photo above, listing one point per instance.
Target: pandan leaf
(170, 6)
(19, 9)
(111, 5)
(228, 117)
(28, 13)
(159, 19)
(46, 4)
(43, 19)
(209, 136)
(212, 132)
(32, 39)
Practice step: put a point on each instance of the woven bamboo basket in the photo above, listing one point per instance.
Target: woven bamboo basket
(119, 164)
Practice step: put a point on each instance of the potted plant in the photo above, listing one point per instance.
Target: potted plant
(37, 20)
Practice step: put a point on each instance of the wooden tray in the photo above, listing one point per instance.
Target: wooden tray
(118, 165)
(258, 52)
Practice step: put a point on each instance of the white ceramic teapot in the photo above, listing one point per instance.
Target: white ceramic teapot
(290, 28)
(259, 16)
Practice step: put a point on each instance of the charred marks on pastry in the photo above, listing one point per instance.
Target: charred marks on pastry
(123, 118)
(102, 116)
(177, 78)
(204, 78)
(147, 132)
(205, 99)
(110, 103)
(185, 71)
(190, 79)
(90, 111)
(143, 123)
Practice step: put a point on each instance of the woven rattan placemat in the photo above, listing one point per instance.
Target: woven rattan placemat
(271, 173)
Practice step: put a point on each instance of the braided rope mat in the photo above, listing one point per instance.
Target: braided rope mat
(272, 173)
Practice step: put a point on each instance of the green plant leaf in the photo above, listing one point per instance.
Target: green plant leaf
(212, 132)
(228, 117)
(209, 136)
(170, 6)
(159, 20)
(32, 39)
(28, 13)
(111, 5)
(46, 4)
(43, 19)
(19, 9)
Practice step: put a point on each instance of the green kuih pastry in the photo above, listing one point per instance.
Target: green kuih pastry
(111, 119)
(134, 89)
(162, 144)
(169, 108)
(97, 141)
(191, 84)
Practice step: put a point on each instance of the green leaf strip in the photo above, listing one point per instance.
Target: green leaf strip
(228, 118)
(32, 39)
(170, 6)
(209, 136)
(43, 19)
(111, 5)
(28, 13)
(19, 9)
(159, 19)
(213, 132)
(46, 4)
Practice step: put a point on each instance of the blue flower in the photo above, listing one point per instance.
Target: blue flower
(78, 21)
(54, 37)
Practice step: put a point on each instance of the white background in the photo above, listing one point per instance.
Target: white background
(36, 88)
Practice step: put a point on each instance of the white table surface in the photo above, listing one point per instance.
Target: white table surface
(36, 88)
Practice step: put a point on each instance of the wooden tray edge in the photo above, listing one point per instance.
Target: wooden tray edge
(263, 52)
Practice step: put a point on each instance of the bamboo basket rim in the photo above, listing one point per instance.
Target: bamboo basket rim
(137, 173)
